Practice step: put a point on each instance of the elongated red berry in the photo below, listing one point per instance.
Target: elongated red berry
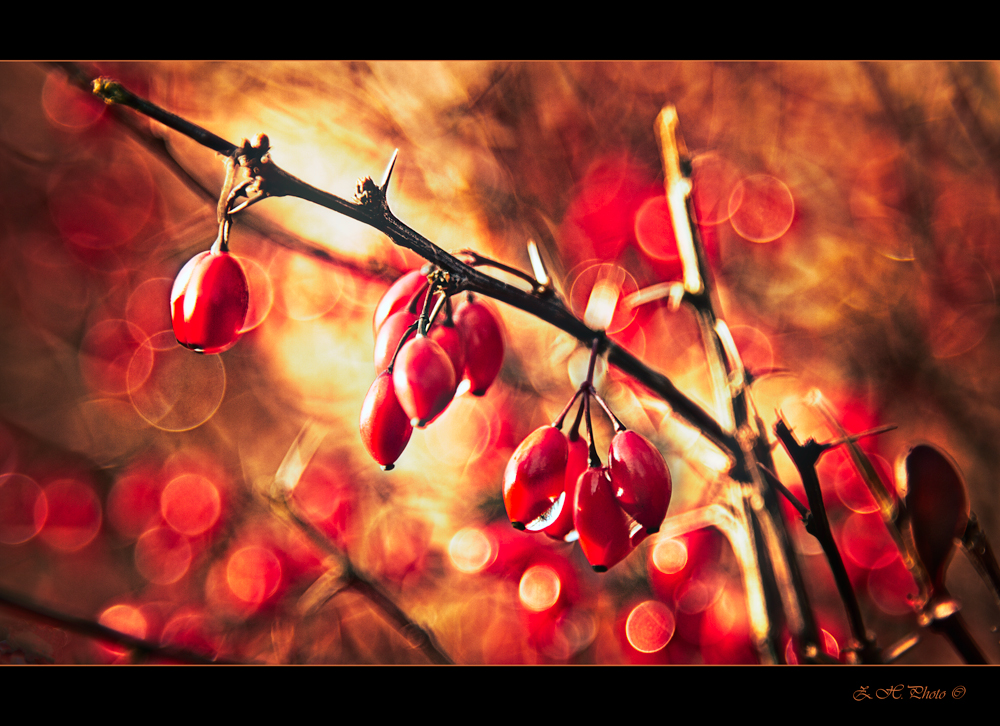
(424, 380)
(600, 522)
(385, 428)
(388, 337)
(640, 479)
(576, 464)
(938, 505)
(399, 296)
(535, 479)
(484, 345)
(448, 337)
(209, 302)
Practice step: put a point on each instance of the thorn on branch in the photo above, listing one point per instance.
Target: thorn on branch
(368, 193)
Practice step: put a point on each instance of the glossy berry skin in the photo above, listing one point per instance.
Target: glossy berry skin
(535, 477)
(424, 380)
(385, 428)
(448, 337)
(398, 297)
(640, 479)
(484, 345)
(209, 302)
(600, 522)
(576, 464)
(388, 337)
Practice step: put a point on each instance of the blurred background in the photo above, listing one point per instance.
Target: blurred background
(850, 212)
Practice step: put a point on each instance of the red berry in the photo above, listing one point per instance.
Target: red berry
(209, 302)
(388, 337)
(640, 479)
(424, 380)
(483, 340)
(576, 464)
(938, 506)
(600, 522)
(385, 428)
(399, 296)
(448, 337)
(535, 478)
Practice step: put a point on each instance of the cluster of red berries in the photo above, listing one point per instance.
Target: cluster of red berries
(421, 361)
(554, 483)
(209, 302)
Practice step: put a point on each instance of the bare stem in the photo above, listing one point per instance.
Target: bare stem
(478, 260)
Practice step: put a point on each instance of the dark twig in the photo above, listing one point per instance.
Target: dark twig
(143, 649)
(805, 456)
(978, 548)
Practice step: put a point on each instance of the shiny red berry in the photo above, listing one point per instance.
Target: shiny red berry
(399, 296)
(640, 479)
(424, 380)
(576, 464)
(600, 522)
(388, 337)
(385, 428)
(535, 479)
(448, 337)
(484, 345)
(938, 506)
(209, 302)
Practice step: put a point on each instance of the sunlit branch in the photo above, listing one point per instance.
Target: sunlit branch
(782, 585)
(371, 208)
(158, 146)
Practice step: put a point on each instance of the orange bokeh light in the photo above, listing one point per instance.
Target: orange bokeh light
(650, 626)
(253, 574)
(761, 208)
(539, 588)
(125, 619)
(471, 550)
(669, 556)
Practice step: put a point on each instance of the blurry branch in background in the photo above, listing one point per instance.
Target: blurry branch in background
(341, 574)
(142, 649)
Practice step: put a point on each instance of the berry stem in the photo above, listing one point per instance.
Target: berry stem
(595, 460)
(619, 426)
(559, 420)
(574, 432)
(478, 260)
(402, 340)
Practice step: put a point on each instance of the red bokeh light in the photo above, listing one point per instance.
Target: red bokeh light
(74, 515)
(23, 508)
(191, 504)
